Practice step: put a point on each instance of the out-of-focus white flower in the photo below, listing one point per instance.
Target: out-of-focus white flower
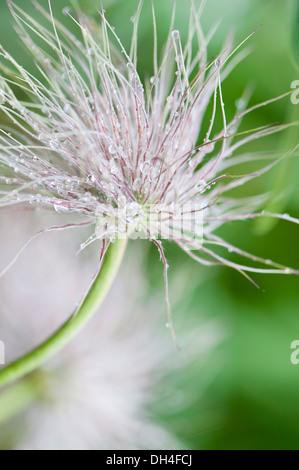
(96, 395)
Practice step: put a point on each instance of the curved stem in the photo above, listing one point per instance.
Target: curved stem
(16, 399)
(73, 325)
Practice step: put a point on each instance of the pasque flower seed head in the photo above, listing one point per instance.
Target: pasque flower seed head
(88, 136)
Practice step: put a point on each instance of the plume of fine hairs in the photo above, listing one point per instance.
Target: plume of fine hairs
(97, 393)
(91, 138)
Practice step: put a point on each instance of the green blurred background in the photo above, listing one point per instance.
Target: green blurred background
(245, 394)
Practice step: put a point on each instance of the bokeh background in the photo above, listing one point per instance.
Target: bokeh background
(232, 386)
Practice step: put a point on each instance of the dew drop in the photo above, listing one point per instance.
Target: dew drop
(91, 178)
(112, 149)
(175, 34)
(60, 208)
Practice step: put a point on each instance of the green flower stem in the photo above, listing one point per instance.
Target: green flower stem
(17, 399)
(37, 357)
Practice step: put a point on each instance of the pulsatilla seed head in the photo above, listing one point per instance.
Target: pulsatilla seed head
(88, 136)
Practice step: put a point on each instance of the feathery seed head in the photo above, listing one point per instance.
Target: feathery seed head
(89, 137)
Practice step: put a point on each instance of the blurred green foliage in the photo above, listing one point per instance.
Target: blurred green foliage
(245, 394)
(296, 31)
